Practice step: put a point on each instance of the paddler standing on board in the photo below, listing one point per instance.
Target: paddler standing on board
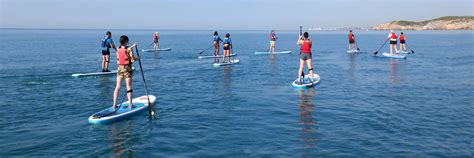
(227, 47)
(305, 56)
(125, 59)
(393, 42)
(216, 40)
(107, 43)
(351, 40)
(402, 42)
(156, 37)
(273, 39)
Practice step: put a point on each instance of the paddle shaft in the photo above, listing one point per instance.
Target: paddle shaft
(151, 110)
(410, 49)
(206, 49)
(381, 46)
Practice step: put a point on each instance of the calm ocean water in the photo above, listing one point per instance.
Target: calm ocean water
(364, 106)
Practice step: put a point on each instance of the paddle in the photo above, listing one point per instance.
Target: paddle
(410, 49)
(357, 45)
(151, 109)
(375, 53)
(206, 49)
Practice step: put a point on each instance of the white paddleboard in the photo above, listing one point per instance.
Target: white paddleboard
(353, 51)
(96, 73)
(235, 61)
(267, 53)
(212, 56)
(403, 52)
(122, 112)
(156, 50)
(394, 56)
(306, 82)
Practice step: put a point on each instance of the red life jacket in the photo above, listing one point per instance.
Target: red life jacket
(155, 37)
(306, 47)
(394, 36)
(122, 56)
(351, 37)
(402, 37)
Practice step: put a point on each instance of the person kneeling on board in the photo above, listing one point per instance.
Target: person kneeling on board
(305, 55)
(227, 47)
(125, 59)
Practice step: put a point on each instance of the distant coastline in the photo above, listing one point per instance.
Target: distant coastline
(442, 23)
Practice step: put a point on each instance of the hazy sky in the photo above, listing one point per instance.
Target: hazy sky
(220, 14)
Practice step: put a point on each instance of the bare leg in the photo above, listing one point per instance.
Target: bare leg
(107, 57)
(116, 91)
(396, 49)
(128, 83)
(391, 47)
(309, 62)
(300, 70)
(103, 62)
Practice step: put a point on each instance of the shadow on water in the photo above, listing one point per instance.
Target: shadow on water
(307, 123)
(352, 65)
(226, 80)
(121, 135)
(394, 71)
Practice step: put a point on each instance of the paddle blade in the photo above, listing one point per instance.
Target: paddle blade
(412, 51)
(358, 49)
(375, 53)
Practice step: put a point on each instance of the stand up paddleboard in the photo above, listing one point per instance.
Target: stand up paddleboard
(267, 53)
(97, 73)
(156, 50)
(109, 115)
(212, 56)
(403, 52)
(393, 56)
(353, 51)
(306, 82)
(235, 61)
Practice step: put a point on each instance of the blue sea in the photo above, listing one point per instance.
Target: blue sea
(364, 106)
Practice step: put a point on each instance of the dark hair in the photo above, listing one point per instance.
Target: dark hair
(215, 33)
(108, 33)
(305, 35)
(402, 33)
(350, 30)
(227, 35)
(123, 40)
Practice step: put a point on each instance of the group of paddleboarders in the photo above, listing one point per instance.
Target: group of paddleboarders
(393, 42)
(392, 37)
(226, 46)
(125, 59)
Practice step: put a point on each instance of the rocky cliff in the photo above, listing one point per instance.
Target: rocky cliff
(443, 23)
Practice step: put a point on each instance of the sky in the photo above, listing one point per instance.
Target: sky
(221, 14)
